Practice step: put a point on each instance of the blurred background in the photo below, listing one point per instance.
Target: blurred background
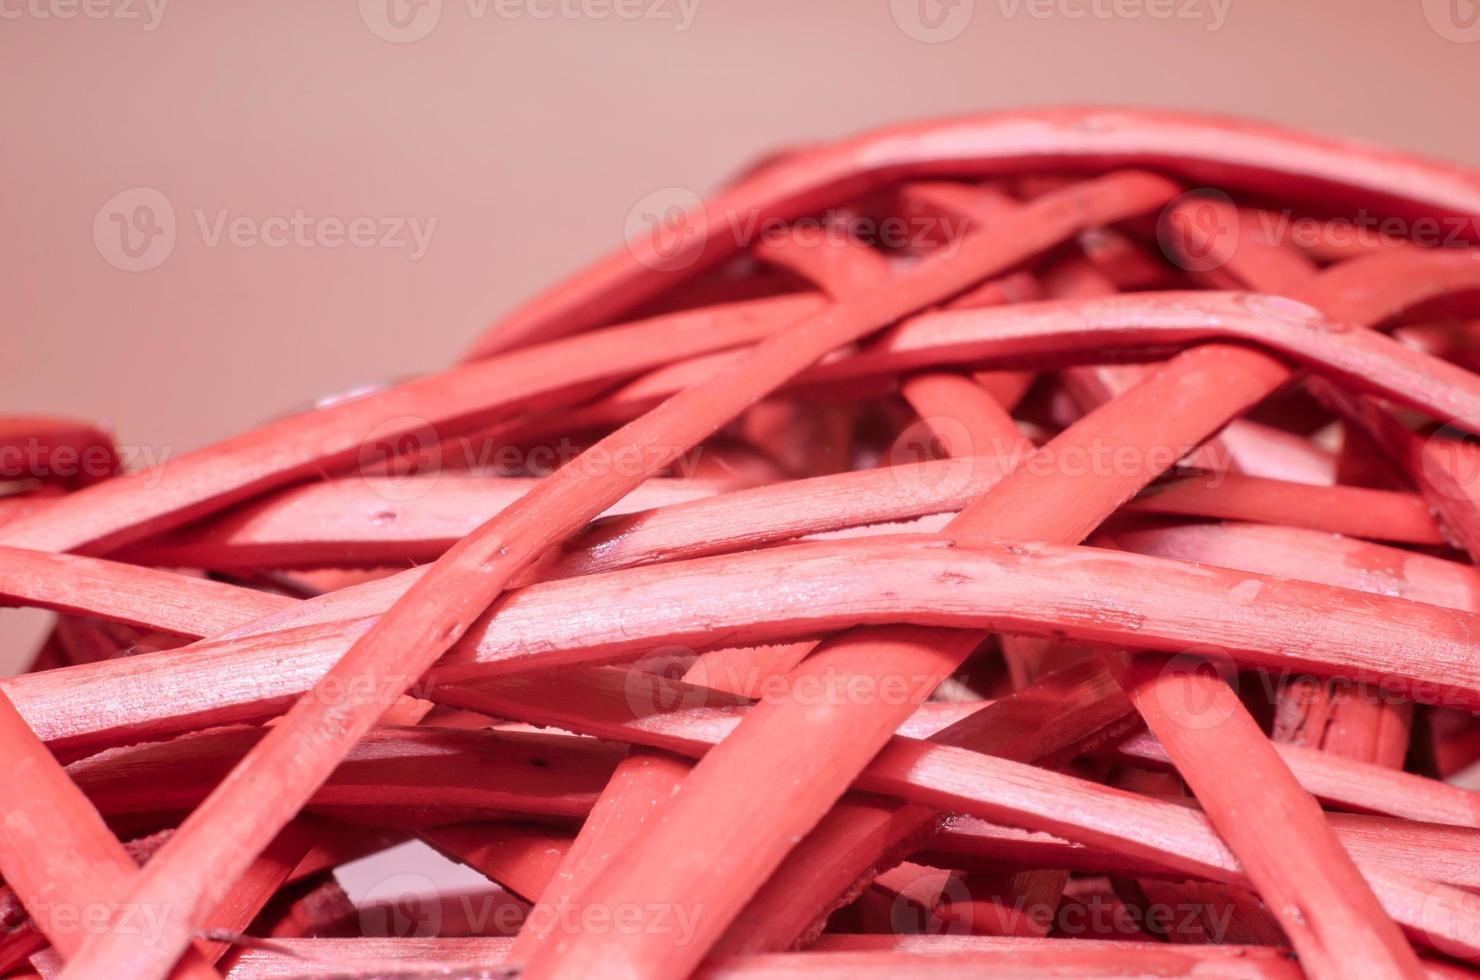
(343, 192)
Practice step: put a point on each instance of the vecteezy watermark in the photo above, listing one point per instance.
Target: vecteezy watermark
(932, 903)
(96, 918)
(1450, 459)
(35, 460)
(933, 21)
(405, 21)
(146, 13)
(136, 230)
(1201, 230)
(1367, 230)
(666, 230)
(1454, 20)
(1212, 13)
(937, 458)
(1450, 918)
(402, 458)
(935, 902)
(938, 21)
(408, 905)
(1198, 688)
(653, 684)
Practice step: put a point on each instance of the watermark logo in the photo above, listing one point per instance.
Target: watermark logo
(1364, 230)
(405, 21)
(1199, 230)
(1454, 20)
(1450, 918)
(401, 21)
(935, 903)
(1451, 459)
(147, 13)
(665, 230)
(934, 440)
(1213, 12)
(36, 460)
(134, 230)
(1198, 688)
(933, 21)
(401, 459)
(309, 231)
(403, 906)
(653, 684)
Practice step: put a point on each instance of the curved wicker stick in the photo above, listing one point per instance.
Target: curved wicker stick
(693, 292)
(1235, 154)
(842, 270)
(1441, 468)
(571, 770)
(842, 957)
(200, 607)
(625, 805)
(1290, 822)
(1383, 515)
(1350, 783)
(421, 773)
(1370, 730)
(852, 841)
(1441, 854)
(1309, 555)
(129, 508)
(1322, 558)
(180, 604)
(104, 512)
(657, 778)
(367, 521)
(439, 608)
(1198, 718)
(706, 819)
(1399, 287)
(857, 836)
(900, 769)
(1265, 841)
(740, 600)
(1242, 446)
(1081, 330)
(348, 522)
(519, 857)
(81, 870)
(1376, 288)
(178, 774)
(1169, 835)
(1313, 556)
(185, 605)
(1017, 287)
(1235, 242)
(645, 776)
(411, 776)
(1396, 293)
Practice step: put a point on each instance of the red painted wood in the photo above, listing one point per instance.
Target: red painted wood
(244, 651)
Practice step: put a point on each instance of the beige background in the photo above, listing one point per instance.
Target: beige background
(528, 139)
